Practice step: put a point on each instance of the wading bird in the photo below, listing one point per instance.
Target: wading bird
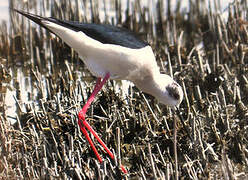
(112, 52)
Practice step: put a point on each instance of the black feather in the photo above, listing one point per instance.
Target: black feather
(104, 33)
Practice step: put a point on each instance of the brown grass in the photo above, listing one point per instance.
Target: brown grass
(212, 137)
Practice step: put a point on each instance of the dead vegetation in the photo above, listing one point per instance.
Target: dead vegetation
(206, 54)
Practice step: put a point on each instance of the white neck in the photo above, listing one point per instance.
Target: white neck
(163, 87)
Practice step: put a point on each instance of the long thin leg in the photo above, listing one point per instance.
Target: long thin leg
(81, 118)
(90, 141)
(98, 86)
(86, 124)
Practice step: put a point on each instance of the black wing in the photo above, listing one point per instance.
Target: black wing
(106, 34)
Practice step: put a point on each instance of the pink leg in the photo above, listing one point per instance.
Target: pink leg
(86, 124)
(98, 87)
(90, 141)
(81, 118)
(81, 115)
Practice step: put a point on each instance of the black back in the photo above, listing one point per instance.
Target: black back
(104, 33)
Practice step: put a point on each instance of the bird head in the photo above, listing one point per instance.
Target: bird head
(169, 92)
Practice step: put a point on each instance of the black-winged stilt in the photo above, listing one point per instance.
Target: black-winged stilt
(112, 53)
